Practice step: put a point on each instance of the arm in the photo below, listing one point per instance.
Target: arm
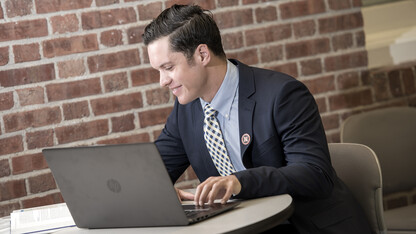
(308, 172)
(171, 148)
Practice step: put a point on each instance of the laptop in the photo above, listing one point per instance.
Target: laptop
(127, 185)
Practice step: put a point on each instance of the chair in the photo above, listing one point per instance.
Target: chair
(391, 133)
(351, 162)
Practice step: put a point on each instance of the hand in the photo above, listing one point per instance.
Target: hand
(182, 195)
(217, 187)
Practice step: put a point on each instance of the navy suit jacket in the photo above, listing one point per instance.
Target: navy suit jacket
(285, 151)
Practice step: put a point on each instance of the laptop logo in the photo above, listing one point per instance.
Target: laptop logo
(113, 185)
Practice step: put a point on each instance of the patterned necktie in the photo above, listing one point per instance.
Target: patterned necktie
(215, 142)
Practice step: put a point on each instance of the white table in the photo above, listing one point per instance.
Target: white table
(251, 216)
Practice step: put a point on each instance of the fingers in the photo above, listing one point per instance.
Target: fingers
(182, 195)
(217, 188)
(186, 195)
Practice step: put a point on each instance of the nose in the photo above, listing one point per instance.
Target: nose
(164, 80)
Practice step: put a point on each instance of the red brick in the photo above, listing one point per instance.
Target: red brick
(330, 121)
(29, 75)
(268, 34)
(408, 81)
(106, 2)
(271, 53)
(307, 48)
(4, 56)
(134, 34)
(311, 67)
(113, 61)
(348, 80)
(25, 53)
(145, 55)
(74, 89)
(41, 183)
(149, 11)
(340, 22)
(9, 145)
(34, 118)
(304, 28)
(6, 101)
(226, 3)
(232, 40)
(157, 133)
(205, 4)
(357, 3)
(71, 68)
(4, 168)
(320, 85)
(234, 18)
(23, 30)
(47, 6)
(350, 100)
(123, 123)
(266, 14)
(31, 96)
(107, 18)
(76, 110)
(12, 189)
(379, 83)
(114, 82)
(395, 83)
(339, 5)
(65, 23)
(345, 61)
(71, 45)
(143, 137)
(294, 9)
(43, 201)
(154, 117)
(144, 76)
(288, 68)
(39, 139)
(246, 56)
(18, 7)
(119, 103)
(360, 39)
(158, 96)
(28, 163)
(321, 102)
(8, 208)
(344, 41)
(82, 131)
(111, 38)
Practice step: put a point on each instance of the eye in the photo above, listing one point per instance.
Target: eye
(168, 68)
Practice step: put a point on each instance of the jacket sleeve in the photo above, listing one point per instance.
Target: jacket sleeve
(307, 172)
(171, 148)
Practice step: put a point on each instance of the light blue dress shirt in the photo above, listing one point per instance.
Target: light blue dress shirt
(226, 103)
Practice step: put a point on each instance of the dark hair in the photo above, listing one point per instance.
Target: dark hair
(187, 27)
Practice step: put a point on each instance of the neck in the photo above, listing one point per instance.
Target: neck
(216, 71)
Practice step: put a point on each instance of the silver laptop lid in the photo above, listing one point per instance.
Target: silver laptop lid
(116, 186)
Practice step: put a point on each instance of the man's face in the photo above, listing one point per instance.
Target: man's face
(186, 81)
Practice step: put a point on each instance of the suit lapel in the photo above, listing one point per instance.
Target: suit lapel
(245, 108)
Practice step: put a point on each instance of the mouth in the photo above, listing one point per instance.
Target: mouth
(175, 90)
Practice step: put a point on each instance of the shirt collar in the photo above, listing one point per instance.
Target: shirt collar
(224, 98)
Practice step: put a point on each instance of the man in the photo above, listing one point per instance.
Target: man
(265, 135)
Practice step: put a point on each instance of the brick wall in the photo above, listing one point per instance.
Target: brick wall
(76, 72)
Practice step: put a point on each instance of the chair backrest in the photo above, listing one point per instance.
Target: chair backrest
(391, 133)
(357, 166)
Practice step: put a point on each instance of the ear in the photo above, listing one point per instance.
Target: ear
(203, 54)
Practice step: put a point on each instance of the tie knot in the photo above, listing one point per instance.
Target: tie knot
(208, 111)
